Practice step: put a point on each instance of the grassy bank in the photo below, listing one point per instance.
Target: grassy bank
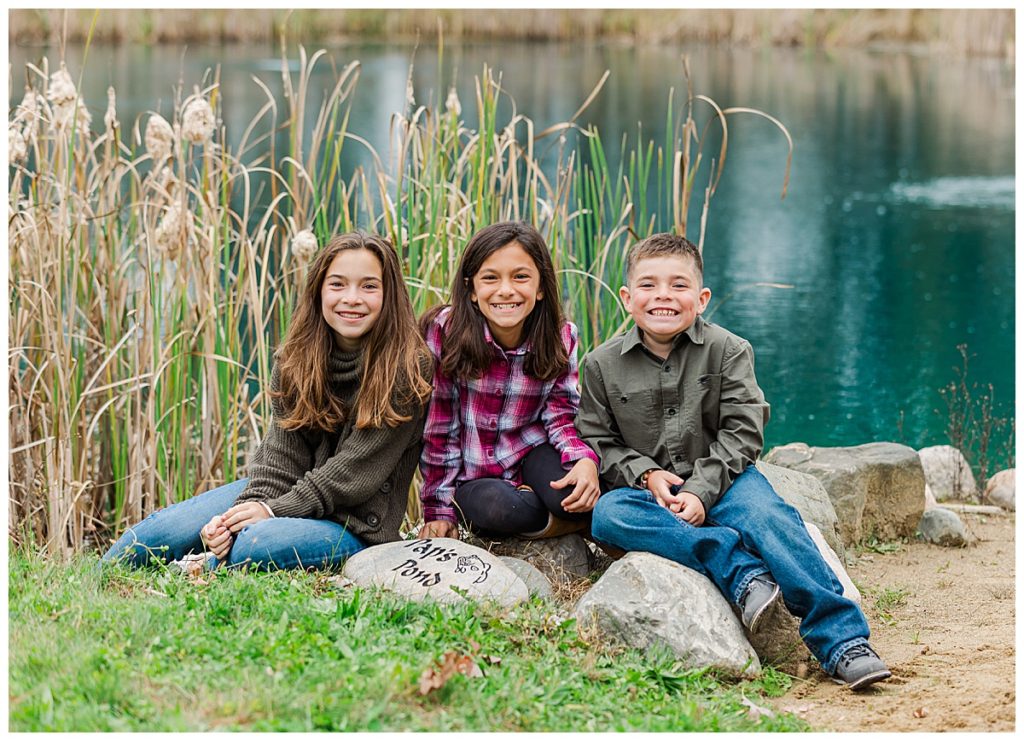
(985, 32)
(130, 651)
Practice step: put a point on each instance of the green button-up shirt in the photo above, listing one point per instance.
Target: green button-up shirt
(698, 413)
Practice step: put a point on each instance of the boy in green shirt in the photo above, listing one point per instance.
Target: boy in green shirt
(674, 411)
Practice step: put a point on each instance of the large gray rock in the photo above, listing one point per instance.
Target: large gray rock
(563, 559)
(947, 473)
(645, 600)
(805, 492)
(942, 527)
(441, 569)
(1001, 490)
(535, 581)
(877, 489)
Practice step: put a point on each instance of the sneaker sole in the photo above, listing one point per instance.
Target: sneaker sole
(866, 680)
(755, 621)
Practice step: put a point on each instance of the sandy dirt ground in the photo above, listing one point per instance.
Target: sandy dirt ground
(943, 619)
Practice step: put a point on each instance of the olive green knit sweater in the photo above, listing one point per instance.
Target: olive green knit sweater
(357, 477)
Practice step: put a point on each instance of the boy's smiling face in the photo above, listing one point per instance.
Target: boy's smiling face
(664, 296)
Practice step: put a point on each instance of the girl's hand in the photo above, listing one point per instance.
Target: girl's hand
(439, 529)
(244, 514)
(216, 537)
(586, 490)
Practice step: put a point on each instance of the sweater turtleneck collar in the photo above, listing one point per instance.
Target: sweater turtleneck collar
(344, 367)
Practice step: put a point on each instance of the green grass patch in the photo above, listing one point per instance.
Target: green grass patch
(152, 650)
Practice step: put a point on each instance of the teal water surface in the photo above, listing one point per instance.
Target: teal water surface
(897, 233)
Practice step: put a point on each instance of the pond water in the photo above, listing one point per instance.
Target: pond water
(897, 233)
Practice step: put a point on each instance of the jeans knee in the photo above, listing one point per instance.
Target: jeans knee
(609, 512)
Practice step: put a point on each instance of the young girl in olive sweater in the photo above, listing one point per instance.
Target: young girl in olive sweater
(332, 475)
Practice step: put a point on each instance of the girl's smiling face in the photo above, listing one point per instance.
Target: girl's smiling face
(351, 296)
(506, 289)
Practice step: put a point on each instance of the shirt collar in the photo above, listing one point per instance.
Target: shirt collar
(695, 332)
(523, 348)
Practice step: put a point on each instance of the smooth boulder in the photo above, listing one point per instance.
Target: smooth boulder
(441, 569)
(877, 489)
(535, 581)
(947, 473)
(644, 600)
(1001, 490)
(943, 527)
(805, 492)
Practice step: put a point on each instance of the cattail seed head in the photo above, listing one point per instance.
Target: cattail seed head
(159, 138)
(110, 118)
(197, 121)
(304, 245)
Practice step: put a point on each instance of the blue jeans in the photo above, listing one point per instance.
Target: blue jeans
(275, 543)
(749, 531)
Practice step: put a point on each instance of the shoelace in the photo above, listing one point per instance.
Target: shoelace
(855, 653)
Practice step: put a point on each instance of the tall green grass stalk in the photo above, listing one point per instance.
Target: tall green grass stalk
(154, 269)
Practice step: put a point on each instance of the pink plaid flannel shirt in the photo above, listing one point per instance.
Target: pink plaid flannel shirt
(483, 428)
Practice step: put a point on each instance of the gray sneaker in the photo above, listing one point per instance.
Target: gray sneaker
(860, 667)
(761, 593)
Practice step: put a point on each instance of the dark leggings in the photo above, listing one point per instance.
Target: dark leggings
(495, 506)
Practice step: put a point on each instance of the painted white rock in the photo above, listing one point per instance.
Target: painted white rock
(441, 569)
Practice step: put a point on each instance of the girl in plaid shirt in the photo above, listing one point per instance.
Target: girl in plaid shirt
(500, 446)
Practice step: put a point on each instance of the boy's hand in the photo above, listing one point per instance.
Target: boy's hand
(692, 509)
(586, 490)
(439, 529)
(659, 483)
(244, 514)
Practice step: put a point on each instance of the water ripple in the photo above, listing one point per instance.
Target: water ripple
(968, 192)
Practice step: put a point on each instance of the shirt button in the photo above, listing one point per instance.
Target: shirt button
(499, 391)
(668, 368)
(494, 422)
(678, 458)
(490, 452)
(386, 486)
(671, 412)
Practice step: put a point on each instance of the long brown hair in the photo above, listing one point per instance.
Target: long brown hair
(466, 354)
(394, 354)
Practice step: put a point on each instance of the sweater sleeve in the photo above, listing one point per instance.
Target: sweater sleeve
(562, 403)
(364, 461)
(281, 459)
(441, 459)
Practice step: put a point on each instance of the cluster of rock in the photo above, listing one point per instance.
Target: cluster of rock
(845, 496)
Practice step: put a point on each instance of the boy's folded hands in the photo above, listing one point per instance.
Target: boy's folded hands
(667, 489)
(586, 488)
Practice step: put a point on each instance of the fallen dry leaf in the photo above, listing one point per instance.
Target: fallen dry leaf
(756, 711)
(452, 663)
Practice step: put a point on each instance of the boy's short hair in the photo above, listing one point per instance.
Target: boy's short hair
(658, 245)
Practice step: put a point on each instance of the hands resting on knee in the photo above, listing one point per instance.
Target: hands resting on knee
(219, 533)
